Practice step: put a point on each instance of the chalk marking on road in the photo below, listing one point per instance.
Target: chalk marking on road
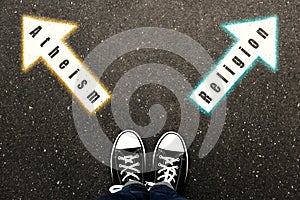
(255, 40)
(43, 40)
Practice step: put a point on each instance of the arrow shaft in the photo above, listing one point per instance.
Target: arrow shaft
(74, 75)
(225, 75)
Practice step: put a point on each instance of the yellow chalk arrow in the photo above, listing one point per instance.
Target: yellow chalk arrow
(43, 39)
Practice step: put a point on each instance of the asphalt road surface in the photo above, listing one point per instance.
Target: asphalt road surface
(257, 155)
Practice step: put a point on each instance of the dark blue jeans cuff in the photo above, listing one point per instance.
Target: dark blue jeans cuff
(135, 187)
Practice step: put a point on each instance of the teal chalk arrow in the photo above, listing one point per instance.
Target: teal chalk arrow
(255, 40)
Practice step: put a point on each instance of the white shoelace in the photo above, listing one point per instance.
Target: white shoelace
(127, 169)
(115, 188)
(169, 172)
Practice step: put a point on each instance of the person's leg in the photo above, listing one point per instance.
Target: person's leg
(164, 192)
(170, 162)
(127, 168)
(129, 192)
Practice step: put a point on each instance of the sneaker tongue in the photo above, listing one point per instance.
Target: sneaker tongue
(130, 151)
(128, 158)
(172, 154)
(170, 159)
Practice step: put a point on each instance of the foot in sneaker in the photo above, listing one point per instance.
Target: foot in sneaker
(127, 159)
(170, 160)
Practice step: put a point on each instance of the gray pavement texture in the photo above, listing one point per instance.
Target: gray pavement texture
(257, 155)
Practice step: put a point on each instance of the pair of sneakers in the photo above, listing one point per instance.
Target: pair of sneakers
(169, 163)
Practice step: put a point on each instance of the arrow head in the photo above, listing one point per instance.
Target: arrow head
(244, 30)
(31, 43)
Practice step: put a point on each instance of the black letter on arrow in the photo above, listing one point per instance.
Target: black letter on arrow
(93, 96)
(35, 31)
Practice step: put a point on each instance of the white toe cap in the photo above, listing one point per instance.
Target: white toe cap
(172, 142)
(128, 139)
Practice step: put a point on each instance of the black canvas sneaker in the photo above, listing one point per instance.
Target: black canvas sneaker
(127, 161)
(170, 160)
